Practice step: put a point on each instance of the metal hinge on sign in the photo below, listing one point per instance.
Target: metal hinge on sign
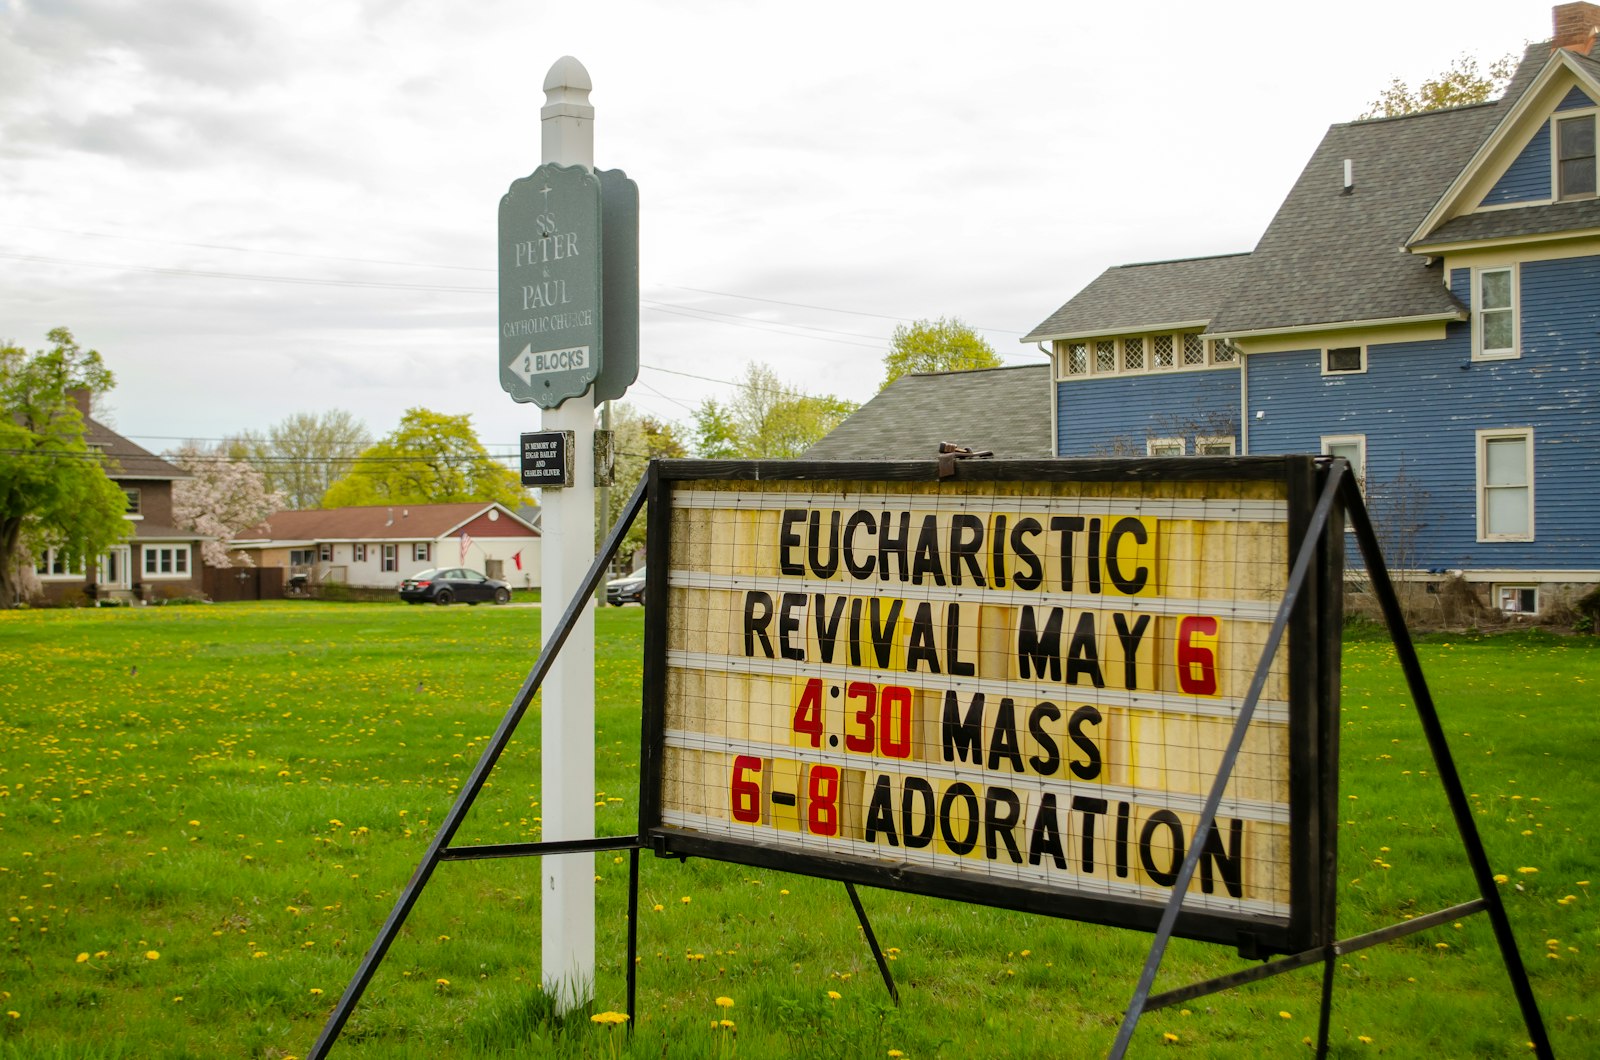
(949, 453)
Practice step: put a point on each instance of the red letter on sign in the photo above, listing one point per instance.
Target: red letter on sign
(1197, 655)
(745, 795)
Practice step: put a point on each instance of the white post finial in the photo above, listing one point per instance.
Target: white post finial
(566, 120)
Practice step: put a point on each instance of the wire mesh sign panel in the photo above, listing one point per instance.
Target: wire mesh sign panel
(1013, 686)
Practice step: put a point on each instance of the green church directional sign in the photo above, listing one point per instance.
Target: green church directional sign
(551, 319)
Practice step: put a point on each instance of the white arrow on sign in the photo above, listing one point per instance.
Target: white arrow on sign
(530, 363)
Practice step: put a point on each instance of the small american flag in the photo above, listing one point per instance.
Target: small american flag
(466, 543)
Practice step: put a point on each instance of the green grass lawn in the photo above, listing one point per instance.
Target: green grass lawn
(207, 812)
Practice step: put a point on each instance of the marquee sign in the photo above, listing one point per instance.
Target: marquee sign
(1010, 687)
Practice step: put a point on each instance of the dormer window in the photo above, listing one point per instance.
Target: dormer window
(1575, 172)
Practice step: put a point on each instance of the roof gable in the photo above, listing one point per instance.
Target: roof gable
(129, 461)
(1333, 255)
(1005, 411)
(1521, 121)
(1143, 297)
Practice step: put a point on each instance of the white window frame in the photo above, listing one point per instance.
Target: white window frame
(1151, 445)
(1555, 156)
(358, 552)
(1479, 353)
(174, 558)
(49, 566)
(135, 496)
(421, 553)
(1484, 438)
(1358, 465)
(391, 558)
(302, 557)
(1202, 442)
(1361, 370)
(1500, 592)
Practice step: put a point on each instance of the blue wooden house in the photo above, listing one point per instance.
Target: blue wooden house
(1426, 303)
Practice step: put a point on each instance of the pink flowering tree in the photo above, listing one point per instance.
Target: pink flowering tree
(220, 498)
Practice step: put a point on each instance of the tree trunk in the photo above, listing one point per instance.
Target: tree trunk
(10, 535)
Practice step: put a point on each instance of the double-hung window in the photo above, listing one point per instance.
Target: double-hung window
(1505, 485)
(1575, 157)
(1494, 314)
(391, 558)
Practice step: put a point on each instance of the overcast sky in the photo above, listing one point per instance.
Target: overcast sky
(253, 209)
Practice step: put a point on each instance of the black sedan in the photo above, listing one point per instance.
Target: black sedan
(456, 583)
(627, 589)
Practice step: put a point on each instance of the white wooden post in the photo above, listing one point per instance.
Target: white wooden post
(567, 712)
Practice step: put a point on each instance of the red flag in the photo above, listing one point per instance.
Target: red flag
(517, 559)
(466, 543)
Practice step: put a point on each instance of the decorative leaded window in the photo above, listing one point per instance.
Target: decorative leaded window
(1133, 355)
(1194, 350)
(1077, 359)
(1161, 351)
(1222, 351)
(1105, 357)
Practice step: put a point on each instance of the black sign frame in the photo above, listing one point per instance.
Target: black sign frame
(1313, 652)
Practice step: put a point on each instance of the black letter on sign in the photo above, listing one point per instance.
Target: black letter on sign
(920, 647)
(1169, 876)
(789, 622)
(925, 559)
(1039, 646)
(1131, 586)
(1130, 639)
(880, 814)
(893, 545)
(1026, 526)
(857, 520)
(959, 845)
(883, 635)
(1089, 807)
(757, 617)
(966, 543)
(1004, 744)
(789, 537)
(1230, 864)
(1085, 714)
(916, 833)
(1002, 811)
(962, 736)
(1046, 766)
(814, 545)
(1083, 655)
(1046, 837)
(827, 625)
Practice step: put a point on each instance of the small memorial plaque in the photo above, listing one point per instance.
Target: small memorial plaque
(547, 459)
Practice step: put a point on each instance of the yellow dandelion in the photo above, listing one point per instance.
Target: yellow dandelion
(684, 899)
(316, 991)
(1501, 877)
(1527, 870)
(727, 1024)
(724, 1002)
(441, 982)
(152, 955)
(13, 1013)
(896, 1052)
(660, 907)
(834, 995)
(1364, 1039)
(1169, 1036)
(609, 1018)
(1441, 945)
(1284, 1015)
(82, 957)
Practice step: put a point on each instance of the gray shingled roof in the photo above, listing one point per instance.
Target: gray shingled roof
(1005, 410)
(130, 461)
(1526, 221)
(1133, 297)
(1329, 257)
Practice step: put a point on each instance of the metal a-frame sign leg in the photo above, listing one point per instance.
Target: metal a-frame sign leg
(1342, 484)
(441, 850)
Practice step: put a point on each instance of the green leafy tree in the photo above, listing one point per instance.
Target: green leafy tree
(301, 456)
(766, 419)
(1460, 84)
(637, 439)
(943, 345)
(54, 492)
(430, 458)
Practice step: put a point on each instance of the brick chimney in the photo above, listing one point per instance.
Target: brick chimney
(81, 397)
(1575, 27)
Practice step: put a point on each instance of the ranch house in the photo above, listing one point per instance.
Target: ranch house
(1425, 303)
